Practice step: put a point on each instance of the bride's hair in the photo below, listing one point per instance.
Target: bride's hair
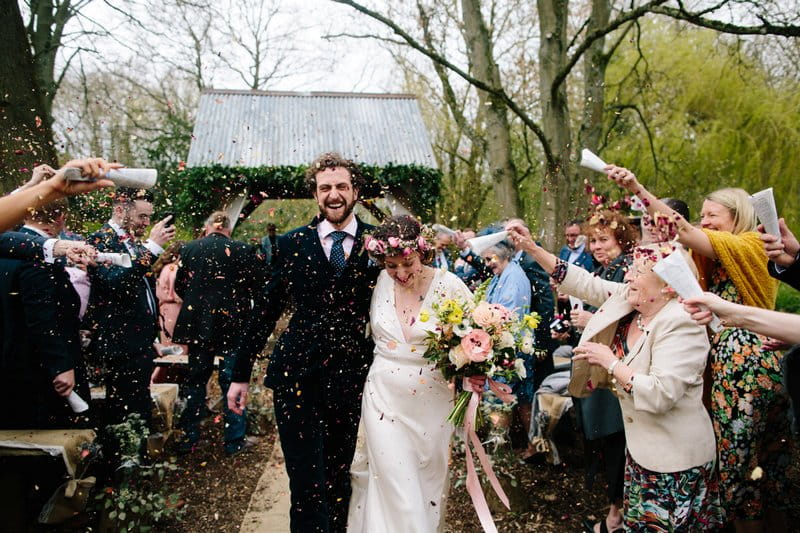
(401, 235)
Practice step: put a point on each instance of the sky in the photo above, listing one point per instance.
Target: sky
(357, 65)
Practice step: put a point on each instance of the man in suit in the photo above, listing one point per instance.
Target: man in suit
(122, 305)
(574, 251)
(41, 360)
(217, 280)
(784, 254)
(319, 364)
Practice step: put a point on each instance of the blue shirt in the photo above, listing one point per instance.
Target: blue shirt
(511, 289)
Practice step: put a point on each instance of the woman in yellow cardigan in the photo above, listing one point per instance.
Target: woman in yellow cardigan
(748, 404)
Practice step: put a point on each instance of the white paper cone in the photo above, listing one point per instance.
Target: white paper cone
(480, 244)
(575, 304)
(439, 228)
(676, 273)
(138, 178)
(591, 161)
(76, 403)
(764, 205)
(123, 260)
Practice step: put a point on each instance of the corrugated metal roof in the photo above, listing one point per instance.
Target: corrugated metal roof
(266, 128)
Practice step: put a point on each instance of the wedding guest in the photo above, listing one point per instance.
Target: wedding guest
(218, 279)
(510, 287)
(611, 238)
(122, 306)
(575, 250)
(663, 229)
(442, 258)
(652, 354)
(165, 270)
(748, 403)
(784, 254)
(169, 305)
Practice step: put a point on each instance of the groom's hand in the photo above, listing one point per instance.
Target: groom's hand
(237, 397)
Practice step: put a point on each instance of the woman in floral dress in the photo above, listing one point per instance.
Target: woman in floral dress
(748, 403)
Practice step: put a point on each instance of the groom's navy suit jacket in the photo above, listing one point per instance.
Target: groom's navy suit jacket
(328, 330)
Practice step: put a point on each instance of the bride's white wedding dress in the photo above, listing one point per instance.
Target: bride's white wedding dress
(399, 473)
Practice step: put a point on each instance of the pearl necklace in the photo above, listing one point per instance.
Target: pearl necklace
(639, 322)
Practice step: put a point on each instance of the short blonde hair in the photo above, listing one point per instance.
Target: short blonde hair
(737, 201)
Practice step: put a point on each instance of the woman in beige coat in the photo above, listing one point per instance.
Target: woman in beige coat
(647, 349)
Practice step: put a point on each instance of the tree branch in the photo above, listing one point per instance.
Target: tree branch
(698, 19)
(646, 126)
(599, 33)
(497, 92)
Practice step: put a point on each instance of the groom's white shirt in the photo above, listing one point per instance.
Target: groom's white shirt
(324, 230)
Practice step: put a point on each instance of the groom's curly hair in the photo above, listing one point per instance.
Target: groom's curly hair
(333, 160)
(407, 229)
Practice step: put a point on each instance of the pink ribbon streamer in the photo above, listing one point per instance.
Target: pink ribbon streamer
(474, 489)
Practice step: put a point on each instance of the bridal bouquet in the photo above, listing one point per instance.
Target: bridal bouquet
(476, 338)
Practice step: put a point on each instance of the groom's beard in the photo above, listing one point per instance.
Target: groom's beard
(337, 216)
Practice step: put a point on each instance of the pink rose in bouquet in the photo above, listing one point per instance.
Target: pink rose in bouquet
(488, 315)
(477, 344)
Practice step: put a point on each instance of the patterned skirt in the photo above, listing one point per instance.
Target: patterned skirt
(684, 501)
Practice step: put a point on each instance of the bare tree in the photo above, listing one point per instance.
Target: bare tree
(559, 55)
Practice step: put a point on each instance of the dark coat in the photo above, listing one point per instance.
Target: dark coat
(600, 414)
(218, 278)
(585, 260)
(328, 330)
(40, 339)
(21, 245)
(119, 313)
(790, 275)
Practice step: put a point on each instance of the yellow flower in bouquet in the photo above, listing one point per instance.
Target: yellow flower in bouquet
(531, 321)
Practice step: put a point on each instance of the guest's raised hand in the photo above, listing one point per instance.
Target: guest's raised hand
(460, 240)
(94, 167)
(520, 236)
(624, 178)
(781, 250)
(40, 173)
(702, 308)
(161, 233)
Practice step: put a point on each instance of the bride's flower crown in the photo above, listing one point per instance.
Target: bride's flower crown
(393, 246)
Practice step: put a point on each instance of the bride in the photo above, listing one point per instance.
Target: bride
(399, 474)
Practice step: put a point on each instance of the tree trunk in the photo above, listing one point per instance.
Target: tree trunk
(498, 134)
(25, 129)
(554, 210)
(595, 62)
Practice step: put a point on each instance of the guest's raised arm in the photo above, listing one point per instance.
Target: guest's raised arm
(782, 326)
(689, 236)
(14, 208)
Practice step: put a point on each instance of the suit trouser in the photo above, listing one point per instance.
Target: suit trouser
(128, 387)
(318, 425)
(201, 366)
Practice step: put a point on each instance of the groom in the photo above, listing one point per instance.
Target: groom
(319, 364)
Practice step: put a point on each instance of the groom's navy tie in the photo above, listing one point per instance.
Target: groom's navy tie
(337, 251)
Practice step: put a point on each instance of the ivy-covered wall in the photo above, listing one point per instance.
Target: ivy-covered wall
(199, 190)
